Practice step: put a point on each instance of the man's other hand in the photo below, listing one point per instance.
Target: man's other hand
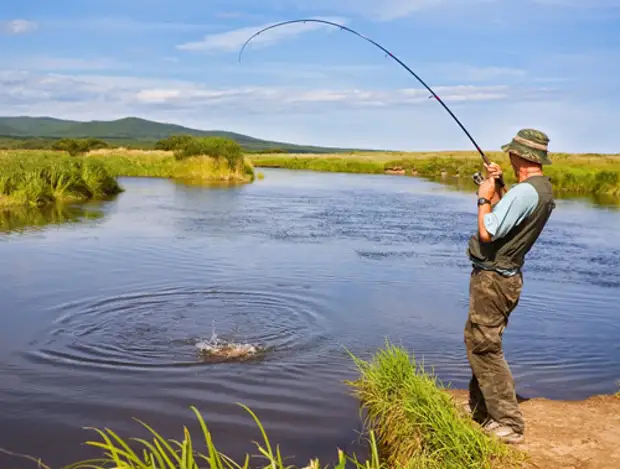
(487, 188)
(493, 170)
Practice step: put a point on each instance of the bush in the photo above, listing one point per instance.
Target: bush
(173, 142)
(78, 146)
(218, 148)
(41, 179)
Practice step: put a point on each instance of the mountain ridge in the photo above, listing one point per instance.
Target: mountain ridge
(134, 128)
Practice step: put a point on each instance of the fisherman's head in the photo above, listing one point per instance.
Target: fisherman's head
(528, 149)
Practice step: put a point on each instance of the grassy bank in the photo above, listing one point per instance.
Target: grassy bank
(39, 178)
(571, 174)
(138, 163)
(417, 425)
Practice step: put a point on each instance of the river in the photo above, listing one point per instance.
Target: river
(100, 317)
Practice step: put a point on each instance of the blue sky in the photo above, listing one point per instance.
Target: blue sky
(500, 65)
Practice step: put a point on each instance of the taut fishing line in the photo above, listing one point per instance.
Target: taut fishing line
(400, 62)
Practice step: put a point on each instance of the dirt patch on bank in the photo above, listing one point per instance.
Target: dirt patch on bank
(570, 434)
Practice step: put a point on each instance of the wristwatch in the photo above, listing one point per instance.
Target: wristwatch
(483, 200)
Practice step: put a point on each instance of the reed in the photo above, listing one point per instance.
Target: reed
(39, 178)
(417, 422)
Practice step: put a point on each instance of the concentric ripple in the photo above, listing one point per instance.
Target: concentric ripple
(169, 328)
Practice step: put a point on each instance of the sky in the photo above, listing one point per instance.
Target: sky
(499, 65)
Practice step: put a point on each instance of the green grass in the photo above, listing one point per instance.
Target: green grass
(37, 178)
(417, 422)
(571, 175)
(136, 163)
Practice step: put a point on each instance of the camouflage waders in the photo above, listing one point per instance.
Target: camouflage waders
(492, 297)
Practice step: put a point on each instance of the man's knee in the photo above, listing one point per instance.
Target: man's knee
(482, 339)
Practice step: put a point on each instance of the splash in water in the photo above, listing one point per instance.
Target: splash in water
(216, 349)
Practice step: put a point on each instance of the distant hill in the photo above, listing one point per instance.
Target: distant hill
(133, 129)
(6, 130)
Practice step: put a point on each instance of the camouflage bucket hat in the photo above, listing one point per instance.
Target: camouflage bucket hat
(531, 145)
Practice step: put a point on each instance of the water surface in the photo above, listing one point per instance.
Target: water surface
(100, 317)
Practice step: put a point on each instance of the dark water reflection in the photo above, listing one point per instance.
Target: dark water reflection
(29, 218)
(99, 321)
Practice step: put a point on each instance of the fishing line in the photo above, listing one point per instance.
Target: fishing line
(400, 62)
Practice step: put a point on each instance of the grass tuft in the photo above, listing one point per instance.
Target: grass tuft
(417, 422)
(35, 178)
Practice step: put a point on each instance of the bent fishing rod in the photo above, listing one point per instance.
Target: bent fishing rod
(477, 177)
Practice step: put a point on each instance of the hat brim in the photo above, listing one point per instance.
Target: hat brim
(527, 153)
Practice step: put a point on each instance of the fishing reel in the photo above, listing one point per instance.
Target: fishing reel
(478, 178)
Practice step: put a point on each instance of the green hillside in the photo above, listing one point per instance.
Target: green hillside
(6, 130)
(132, 130)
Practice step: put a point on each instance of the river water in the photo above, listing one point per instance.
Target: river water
(100, 317)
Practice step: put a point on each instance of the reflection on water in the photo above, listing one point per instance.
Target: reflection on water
(27, 218)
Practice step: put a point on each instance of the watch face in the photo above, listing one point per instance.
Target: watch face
(482, 201)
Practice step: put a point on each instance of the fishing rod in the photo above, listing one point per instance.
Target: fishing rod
(478, 176)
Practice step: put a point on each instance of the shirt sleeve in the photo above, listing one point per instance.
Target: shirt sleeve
(511, 210)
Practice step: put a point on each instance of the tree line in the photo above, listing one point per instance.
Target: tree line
(80, 146)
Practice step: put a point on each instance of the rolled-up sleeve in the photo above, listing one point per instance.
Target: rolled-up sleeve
(511, 210)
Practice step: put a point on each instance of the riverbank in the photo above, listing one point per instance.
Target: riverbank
(572, 175)
(33, 177)
(412, 421)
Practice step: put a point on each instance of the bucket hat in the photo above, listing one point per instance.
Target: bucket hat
(530, 144)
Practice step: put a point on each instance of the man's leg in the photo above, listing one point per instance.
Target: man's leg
(492, 299)
(478, 407)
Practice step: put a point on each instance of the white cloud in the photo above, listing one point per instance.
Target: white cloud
(20, 88)
(233, 40)
(18, 26)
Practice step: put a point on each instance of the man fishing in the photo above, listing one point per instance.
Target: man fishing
(509, 223)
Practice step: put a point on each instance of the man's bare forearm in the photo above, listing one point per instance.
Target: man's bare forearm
(482, 231)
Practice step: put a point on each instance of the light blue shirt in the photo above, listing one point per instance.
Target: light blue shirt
(519, 202)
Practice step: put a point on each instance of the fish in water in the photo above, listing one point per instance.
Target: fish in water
(220, 350)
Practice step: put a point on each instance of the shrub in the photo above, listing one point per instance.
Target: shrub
(173, 142)
(78, 146)
(218, 148)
